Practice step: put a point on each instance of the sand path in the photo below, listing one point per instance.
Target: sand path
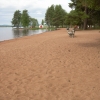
(51, 66)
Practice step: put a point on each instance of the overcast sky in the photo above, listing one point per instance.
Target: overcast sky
(36, 8)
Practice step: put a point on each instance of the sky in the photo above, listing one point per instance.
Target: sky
(36, 8)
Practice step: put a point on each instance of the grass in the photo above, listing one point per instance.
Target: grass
(49, 28)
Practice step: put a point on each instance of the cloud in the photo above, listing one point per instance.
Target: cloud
(36, 8)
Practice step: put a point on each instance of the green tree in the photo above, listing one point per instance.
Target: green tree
(16, 20)
(63, 16)
(95, 19)
(75, 18)
(89, 7)
(55, 16)
(59, 15)
(80, 6)
(93, 4)
(42, 23)
(33, 22)
(25, 19)
(49, 15)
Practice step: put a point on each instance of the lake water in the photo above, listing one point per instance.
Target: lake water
(7, 33)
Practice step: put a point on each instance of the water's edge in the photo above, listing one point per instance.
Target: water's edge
(7, 33)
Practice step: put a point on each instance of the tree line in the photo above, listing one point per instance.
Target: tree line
(84, 13)
(55, 16)
(23, 19)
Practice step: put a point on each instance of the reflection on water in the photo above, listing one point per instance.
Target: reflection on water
(20, 32)
(7, 33)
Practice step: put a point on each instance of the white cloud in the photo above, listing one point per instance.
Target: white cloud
(36, 8)
(38, 12)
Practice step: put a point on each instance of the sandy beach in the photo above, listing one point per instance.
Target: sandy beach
(51, 66)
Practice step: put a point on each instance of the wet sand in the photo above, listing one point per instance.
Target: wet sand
(51, 66)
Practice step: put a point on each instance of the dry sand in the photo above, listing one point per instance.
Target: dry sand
(51, 66)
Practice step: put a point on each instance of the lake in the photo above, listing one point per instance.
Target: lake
(7, 33)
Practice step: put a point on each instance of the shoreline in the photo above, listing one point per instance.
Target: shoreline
(14, 33)
(28, 36)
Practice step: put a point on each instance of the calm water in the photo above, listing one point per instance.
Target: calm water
(7, 33)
